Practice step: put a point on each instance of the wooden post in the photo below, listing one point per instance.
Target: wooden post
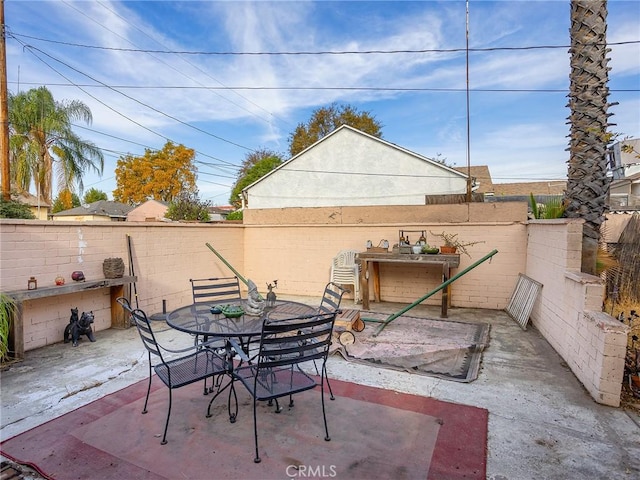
(4, 112)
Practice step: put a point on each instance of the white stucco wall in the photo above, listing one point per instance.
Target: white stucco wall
(351, 168)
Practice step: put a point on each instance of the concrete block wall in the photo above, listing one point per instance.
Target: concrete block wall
(568, 311)
(298, 255)
(165, 257)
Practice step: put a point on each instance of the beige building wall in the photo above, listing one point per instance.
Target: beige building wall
(349, 167)
(84, 218)
(149, 211)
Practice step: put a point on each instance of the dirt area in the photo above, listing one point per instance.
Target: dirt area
(629, 314)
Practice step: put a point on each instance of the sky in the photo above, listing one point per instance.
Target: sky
(230, 78)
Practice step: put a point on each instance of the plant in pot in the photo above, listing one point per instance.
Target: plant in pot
(7, 311)
(451, 243)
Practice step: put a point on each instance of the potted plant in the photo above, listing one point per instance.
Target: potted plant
(7, 311)
(452, 244)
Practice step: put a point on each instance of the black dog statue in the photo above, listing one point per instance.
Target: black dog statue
(79, 326)
(73, 320)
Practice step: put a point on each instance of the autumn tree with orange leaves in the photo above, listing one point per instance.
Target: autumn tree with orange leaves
(160, 175)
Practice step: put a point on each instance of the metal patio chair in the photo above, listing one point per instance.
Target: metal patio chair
(330, 303)
(284, 346)
(208, 292)
(199, 364)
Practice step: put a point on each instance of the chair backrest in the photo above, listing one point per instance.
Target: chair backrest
(295, 340)
(124, 302)
(331, 298)
(215, 290)
(143, 326)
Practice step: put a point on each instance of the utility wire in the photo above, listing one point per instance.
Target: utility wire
(190, 63)
(323, 52)
(372, 89)
(31, 50)
(31, 47)
(220, 166)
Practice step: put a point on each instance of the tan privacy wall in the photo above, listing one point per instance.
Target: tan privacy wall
(568, 311)
(295, 246)
(164, 258)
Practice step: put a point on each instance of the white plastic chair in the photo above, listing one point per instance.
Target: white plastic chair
(345, 271)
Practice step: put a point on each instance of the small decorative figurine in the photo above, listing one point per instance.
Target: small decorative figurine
(271, 295)
(254, 304)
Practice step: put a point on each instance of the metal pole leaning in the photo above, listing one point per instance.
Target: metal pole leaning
(237, 274)
(444, 285)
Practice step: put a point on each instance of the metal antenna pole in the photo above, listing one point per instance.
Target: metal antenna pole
(468, 112)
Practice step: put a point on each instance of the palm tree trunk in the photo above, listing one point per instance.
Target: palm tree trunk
(588, 184)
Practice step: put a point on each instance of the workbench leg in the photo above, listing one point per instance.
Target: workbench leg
(446, 291)
(16, 333)
(376, 281)
(118, 318)
(364, 283)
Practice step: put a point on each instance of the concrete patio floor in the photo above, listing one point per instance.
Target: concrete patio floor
(542, 423)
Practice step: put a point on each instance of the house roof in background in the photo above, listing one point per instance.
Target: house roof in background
(222, 209)
(526, 188)
(481, 174)
(339, 131)
(635, 178)
(105, 208)
(28, 199)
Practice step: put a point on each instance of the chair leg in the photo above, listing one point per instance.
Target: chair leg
(146, 400)
(329, 385)
(324, 372)
(324, 414)
(255, 430)
(166, 425)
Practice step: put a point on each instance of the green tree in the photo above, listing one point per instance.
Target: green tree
(160, 175)
(255, 166)
(187, 206)
(65, 201)
(587, 181)
(13, 209)
(41, 138)
(325, 120)
(94, 195)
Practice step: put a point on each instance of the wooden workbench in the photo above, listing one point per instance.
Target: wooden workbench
(366, 259)
(116, 286)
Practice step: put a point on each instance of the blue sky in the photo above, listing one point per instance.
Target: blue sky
(225, 106)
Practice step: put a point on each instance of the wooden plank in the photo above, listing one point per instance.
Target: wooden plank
(67, 288)
(116, 286)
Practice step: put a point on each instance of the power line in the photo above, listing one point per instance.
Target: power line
(322, 52)
(30, 47)
(372, 89)
(122, 154)
(180, 71)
